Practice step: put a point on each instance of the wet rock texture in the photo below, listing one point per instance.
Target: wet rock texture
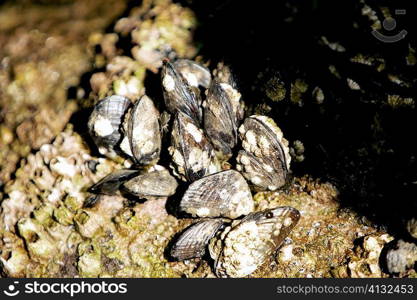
(43, 53)
(46, 165)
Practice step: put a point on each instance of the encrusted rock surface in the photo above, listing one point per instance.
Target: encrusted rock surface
(44, 52)
(42, 218)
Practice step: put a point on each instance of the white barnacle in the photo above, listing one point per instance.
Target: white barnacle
(125, 146)
(147, 147)
(263, 142)
(285, 253)
(250, 137)
(256, 180)
(191, 79)
(287, 222)
(169, 83)
(103, 126)
(203, 212)
(195, 132)
(268, 168)
(244, 160)
(272, 187)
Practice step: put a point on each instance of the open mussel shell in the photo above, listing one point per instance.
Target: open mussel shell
(224, 194)
(194, 73)
(105, 121)
(242, 248)
(265, 158)
(111, 183)
(179, 95)
(156, 183)
(192, 154)
(144, 132)
(192, 242)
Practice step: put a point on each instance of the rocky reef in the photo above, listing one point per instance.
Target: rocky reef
(53, 70)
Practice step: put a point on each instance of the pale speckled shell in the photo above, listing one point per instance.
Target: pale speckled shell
(224, 194)
(179, 95)
(244, 246)
(144, 132)
(265, 160)
(192, 154)
(157, 183)
(105, 121)
(193, 72)
(193, 241)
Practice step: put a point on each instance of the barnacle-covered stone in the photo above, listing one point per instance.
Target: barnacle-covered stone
(179, 95)
(105, 122)
(38, 241)
(155, 183)
(364, 262)
(220, 117)
(110, 184)
(401, 258)
(194, 73)
(144, 134)
(191, 152)
(224, 194)
(241, 248)
(193, 240)
(265, 160)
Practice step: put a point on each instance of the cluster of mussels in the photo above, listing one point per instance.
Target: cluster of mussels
(207, 114)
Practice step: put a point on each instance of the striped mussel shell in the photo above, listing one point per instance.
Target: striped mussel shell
(104, 124)
(110, 184)
(143, 137)
(156, 182)
(220, 110)
(265, 159)
(245, 245)
(179, 95)
(224, 194)
(192, 154)
(193, 241)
